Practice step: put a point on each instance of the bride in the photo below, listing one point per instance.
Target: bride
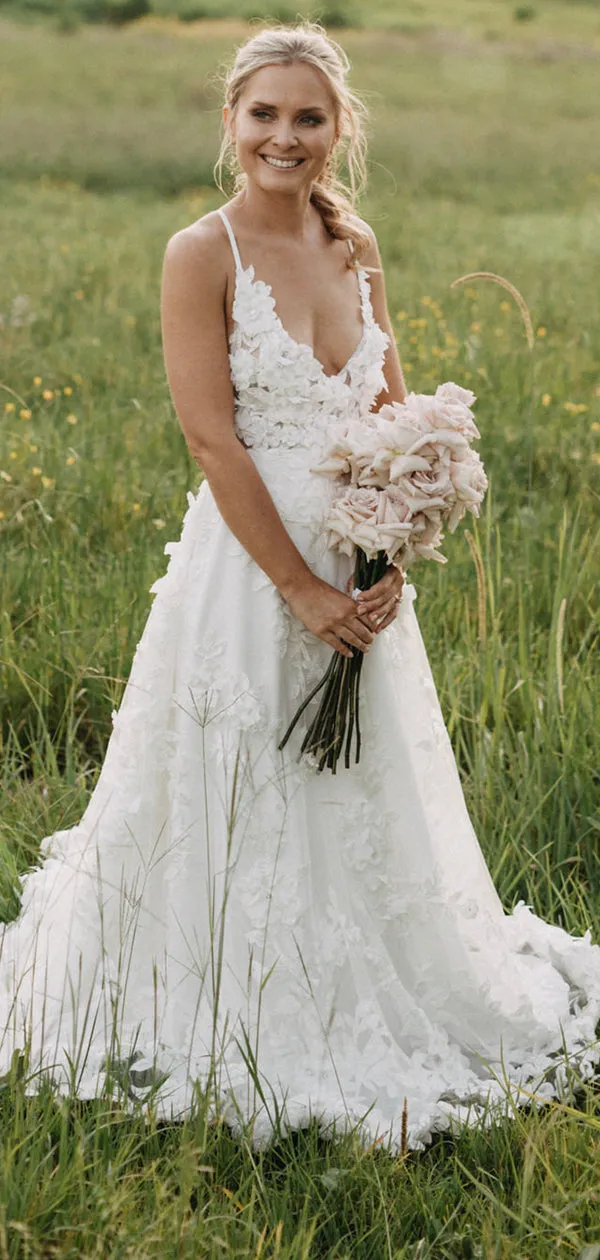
(225, 917)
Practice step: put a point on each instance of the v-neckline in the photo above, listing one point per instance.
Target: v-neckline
(248, 273)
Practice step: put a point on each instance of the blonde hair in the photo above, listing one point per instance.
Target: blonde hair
(308, 42)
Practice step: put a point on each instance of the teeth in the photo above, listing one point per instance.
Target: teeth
(282, 162)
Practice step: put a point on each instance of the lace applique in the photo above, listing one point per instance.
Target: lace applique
(284, 398)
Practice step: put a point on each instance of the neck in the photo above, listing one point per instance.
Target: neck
(278, 213)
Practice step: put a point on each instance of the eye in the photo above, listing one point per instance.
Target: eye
(260, 113)
(313, 119)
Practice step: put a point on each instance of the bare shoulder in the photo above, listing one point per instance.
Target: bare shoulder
(370, 256)
(200, 252)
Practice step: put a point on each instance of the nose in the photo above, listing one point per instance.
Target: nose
(285, 135)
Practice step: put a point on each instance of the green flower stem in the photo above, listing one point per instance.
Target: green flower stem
(338, 718)
(305, 704)
(340, 715)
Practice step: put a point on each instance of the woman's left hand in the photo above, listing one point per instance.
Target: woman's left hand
(381, 601)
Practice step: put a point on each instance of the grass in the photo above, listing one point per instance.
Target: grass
(483, 157)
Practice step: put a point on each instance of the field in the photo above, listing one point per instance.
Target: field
(485, 144)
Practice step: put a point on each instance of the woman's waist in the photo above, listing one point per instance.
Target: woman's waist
(284, 427)
(299, 493)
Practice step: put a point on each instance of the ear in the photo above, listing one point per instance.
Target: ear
(228, 119)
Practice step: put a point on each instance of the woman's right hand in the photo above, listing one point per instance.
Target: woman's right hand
(331, 615)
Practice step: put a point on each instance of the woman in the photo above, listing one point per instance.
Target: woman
(300, 944)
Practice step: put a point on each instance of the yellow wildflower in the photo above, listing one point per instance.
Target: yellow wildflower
(47, 482)
(37, 380)
(541, 332)
(401, 315)
(67, 390)
(70, 459)
(9, 406)
(36, 471)
(596, 457)
(546, 400)
(505, 306)
(136, 507)
(475, 327)
(71, 419)
(25, 413)
(79, 294)
(2, 515)
(596, 426)
(471, 293)
(13, 455)
(413, 340)
(32, 447)
(48, 394)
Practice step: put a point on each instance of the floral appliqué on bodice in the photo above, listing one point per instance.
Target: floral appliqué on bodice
(283, 396)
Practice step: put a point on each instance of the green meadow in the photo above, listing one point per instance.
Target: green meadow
(484, 157)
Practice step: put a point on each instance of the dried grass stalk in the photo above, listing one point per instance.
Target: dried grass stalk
(510, 288)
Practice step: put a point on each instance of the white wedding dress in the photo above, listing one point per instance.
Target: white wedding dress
(301, 943)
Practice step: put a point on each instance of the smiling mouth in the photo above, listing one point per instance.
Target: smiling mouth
(282, 164)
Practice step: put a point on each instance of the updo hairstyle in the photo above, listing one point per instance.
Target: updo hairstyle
(308, 42)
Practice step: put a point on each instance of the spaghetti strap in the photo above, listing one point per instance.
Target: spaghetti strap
(234, 245)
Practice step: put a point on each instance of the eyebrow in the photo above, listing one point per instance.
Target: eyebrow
(306, 109)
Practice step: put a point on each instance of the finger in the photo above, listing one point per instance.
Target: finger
(362, 615)
(375, 592)
(390, 584)
(380, 602)
(389, 610)
(377, 605)
(358, 635)
(334, 642)
(364, 634)
(388, 619)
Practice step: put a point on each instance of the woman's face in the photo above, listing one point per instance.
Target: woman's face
(284, 126)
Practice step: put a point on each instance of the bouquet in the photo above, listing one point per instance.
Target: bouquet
(406, 473)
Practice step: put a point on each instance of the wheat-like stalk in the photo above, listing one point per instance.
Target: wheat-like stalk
(510, 288)
(560, 630)
(404, 1132)
(481, 601)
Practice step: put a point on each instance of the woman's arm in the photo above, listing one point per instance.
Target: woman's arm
(379, 602)
(194, 285)
(392, 368)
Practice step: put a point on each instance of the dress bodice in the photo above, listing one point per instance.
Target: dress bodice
(283, 396)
